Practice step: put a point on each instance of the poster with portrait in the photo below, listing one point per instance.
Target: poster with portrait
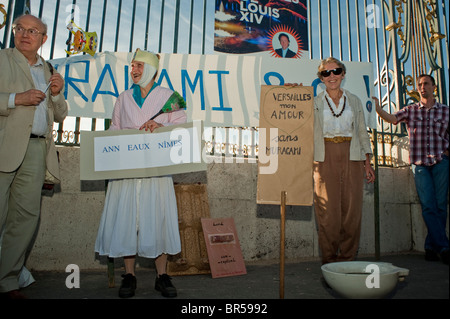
(275, 28)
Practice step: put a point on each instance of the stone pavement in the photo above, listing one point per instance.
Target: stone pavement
(303, 281)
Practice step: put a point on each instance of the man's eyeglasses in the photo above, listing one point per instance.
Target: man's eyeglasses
(21, 30)
(327, 73)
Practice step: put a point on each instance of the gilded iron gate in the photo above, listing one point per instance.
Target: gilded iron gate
(401, 38)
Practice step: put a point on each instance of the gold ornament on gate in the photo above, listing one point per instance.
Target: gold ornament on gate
(4, 16)
(82, 41)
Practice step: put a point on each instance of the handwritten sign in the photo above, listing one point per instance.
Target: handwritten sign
(138, 153)
(222, 244)
(286, 145)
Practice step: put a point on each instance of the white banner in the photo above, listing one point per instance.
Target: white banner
(145, 150)
(220, 90)
(137, 153)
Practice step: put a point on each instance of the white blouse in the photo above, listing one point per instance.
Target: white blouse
(337, 126)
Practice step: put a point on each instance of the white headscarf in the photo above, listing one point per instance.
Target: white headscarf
(151, 66)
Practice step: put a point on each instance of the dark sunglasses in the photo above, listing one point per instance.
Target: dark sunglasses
(327, 73)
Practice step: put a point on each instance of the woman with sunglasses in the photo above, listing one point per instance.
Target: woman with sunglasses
(342, 153)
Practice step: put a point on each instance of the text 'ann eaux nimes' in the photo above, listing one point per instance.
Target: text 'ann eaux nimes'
(141, 146)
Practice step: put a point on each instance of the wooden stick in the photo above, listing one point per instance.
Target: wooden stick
(111, 281)
(282, 236)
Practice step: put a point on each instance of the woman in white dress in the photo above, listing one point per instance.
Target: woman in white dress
(140, 215)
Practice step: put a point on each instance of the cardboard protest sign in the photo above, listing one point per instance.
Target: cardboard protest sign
(286, 145)
(222, 245)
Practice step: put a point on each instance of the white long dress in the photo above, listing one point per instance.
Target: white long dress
(140, 215)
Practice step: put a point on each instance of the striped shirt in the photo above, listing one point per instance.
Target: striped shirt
(40, 123)
(428, 132)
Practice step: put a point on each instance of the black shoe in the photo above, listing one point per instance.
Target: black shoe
(445, 256)
(431, 255)
(164, 285)
(13, 294)
(128, 286)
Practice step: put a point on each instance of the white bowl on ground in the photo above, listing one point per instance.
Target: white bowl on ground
(363, 279)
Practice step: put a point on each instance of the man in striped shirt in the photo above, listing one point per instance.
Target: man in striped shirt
(428, 130)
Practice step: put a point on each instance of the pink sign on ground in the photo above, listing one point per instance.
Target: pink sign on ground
(222, 245)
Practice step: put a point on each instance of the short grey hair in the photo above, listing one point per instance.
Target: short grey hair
(43, 24)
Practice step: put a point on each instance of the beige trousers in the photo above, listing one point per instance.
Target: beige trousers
(20, 206)
(338, 197)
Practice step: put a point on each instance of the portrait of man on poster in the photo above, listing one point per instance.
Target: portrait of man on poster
(284, 51)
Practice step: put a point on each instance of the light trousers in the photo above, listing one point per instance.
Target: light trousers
(20, 206)
(338, 198)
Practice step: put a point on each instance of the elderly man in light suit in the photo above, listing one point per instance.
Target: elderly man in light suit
(27, 151)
